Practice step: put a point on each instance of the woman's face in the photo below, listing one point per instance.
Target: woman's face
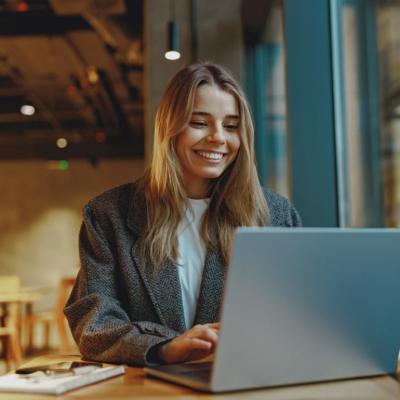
(211, 141)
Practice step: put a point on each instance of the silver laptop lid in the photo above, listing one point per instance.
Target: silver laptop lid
(304, 305)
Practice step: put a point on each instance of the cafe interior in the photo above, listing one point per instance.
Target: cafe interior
(80, 81)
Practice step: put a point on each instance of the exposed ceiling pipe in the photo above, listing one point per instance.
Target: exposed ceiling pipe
(100, 25)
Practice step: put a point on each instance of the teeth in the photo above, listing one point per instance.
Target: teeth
(212, 156)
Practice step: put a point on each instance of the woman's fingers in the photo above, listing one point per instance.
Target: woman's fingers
(198, 342)
(210, 335)
(214, 325)
(202, 328)
(205, 333)
(184, 349)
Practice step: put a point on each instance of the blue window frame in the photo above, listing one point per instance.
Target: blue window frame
(316, 146)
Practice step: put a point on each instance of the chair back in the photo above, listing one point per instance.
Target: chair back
(64, 290)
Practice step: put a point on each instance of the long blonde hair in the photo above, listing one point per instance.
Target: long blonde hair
(236, 197)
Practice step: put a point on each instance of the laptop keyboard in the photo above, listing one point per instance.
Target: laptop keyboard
(197, 367)
(200, 371)
(196, 371)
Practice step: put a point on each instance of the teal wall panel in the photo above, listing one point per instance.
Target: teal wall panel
(311, 111)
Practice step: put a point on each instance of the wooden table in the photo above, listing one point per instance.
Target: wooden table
(135, 385)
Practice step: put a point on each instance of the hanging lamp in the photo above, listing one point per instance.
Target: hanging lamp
(172, 52)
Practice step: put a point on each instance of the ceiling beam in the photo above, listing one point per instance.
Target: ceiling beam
(18, 117)
(11, 92)
(39, 23)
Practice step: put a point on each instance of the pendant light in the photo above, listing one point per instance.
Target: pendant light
(172, 52)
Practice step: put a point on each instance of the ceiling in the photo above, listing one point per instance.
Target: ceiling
(80, 64)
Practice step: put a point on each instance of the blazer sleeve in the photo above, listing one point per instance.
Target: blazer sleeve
(100, 326)
(293, 217)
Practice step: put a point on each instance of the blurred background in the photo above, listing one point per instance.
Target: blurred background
(79, 84)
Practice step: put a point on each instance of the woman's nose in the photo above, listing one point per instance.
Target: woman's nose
(217, 134)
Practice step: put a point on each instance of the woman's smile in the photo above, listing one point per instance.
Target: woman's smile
(210, 156)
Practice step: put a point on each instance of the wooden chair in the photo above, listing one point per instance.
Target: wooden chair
(64, 334)
(55, 318)
(10, 322)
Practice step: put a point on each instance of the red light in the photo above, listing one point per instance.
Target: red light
(71, 89)
(100, 137)
(22, 6)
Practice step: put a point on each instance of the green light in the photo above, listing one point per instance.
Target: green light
(63, 165)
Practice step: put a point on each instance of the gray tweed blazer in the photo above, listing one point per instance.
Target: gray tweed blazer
(118, 311)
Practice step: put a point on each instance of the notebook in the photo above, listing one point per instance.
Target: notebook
(38, 382)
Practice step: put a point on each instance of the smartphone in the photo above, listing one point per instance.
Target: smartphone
(58, 367)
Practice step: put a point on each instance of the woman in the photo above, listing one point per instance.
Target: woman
(154, 252)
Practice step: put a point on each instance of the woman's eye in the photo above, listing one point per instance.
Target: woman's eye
(232, 127)
(198, 123)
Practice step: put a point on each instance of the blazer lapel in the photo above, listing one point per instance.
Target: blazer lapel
(211, 289)
(164, 288)
(165, 292)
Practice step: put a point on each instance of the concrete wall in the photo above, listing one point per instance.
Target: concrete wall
(40, 216)
(220, 34)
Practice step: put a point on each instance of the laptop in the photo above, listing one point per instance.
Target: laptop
(303, 305)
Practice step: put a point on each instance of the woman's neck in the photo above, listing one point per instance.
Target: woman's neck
(197, 189)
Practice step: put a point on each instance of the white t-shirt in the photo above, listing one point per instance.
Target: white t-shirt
(191, 258)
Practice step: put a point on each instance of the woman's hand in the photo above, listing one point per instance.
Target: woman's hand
(196, 343)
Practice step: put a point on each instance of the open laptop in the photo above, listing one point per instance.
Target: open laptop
(303, 305)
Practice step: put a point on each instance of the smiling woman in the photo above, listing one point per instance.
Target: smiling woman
(210, 142)
(154, 253)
